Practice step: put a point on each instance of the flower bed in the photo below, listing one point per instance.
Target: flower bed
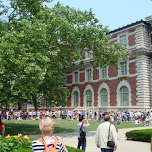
(14, 143)
(140, 135)
(21, 143)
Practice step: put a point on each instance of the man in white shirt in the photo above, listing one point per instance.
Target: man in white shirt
(102, 134)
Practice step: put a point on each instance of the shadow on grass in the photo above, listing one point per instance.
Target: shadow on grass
(24, 129)
(63, 130)
(31, 129)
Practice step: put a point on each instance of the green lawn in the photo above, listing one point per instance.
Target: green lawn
(29, 127)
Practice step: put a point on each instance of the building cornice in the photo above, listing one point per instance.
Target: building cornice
(132, 25)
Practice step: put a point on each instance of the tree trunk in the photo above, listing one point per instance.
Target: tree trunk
(35, 103)
(6, 105)
(19, 106)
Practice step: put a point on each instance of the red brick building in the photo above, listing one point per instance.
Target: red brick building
(129, 86)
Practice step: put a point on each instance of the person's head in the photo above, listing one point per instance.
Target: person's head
(82, 119)
(46, 126)
(106, 118)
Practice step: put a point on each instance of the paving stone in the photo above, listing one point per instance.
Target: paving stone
(124, 145)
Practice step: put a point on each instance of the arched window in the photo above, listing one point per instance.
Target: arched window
(104, 97)
(124, 96)
(89, 98)
(76, 99)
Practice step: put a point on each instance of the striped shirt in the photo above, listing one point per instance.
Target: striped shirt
(39, 147)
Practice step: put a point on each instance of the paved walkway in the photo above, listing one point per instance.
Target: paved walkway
(124, 145)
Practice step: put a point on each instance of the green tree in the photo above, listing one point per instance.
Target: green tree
(42, 42)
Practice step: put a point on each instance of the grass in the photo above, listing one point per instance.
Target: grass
(29, 127)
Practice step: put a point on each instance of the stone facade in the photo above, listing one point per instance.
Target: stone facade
(136, 81)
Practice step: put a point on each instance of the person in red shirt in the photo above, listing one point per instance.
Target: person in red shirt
(1, 128)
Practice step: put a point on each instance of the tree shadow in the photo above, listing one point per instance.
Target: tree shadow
(31, 129)
(24, 129)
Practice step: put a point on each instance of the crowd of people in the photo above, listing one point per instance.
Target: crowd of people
(106, 135)
(136, 116)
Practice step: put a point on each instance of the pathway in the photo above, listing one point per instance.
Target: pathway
(124, 145)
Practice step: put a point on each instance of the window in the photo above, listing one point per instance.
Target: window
(89, 75)
(89, 98)
(123, 40)
(76, 77)
(124, 96)
(89, 54)
(104, 73)
(76, 98)
(123, 68)
(104, 97)
(47, 104)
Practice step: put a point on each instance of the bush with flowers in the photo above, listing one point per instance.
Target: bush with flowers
(14, 143)
(21, 143)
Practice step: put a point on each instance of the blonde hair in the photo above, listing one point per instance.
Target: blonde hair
(46, 126)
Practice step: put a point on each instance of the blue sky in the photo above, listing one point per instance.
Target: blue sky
(114, 13)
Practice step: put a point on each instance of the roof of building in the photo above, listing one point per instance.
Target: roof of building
(129, 25)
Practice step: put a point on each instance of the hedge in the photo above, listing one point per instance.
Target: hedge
(140, 135)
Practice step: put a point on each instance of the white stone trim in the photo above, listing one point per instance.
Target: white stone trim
(69, 74)
(143, 37)
(100, 73)
(73, 77)
(91, 74)
(88, 87)
(86, 54)
(143, 85)
(132, 47)
(103, 85)
(113, 39)
(72, 96)
(131, 33)
(122, 34)
(112, 78)
(121, 84)
(119, 70)
(83, 71)
(126, 29)
(131, 61)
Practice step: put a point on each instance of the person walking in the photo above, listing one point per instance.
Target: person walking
(82, 132)
(106, 132)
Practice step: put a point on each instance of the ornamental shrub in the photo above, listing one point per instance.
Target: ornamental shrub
(14, 143)
(22, 144)
(140, 135)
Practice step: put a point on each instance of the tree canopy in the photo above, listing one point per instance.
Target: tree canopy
(37, 43)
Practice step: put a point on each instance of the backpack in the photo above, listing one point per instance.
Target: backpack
(49, 148)
(82, 133)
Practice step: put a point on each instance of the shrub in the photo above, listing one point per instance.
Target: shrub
(22, 144)
(14, 143)
(140, 135)
(29, 148)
